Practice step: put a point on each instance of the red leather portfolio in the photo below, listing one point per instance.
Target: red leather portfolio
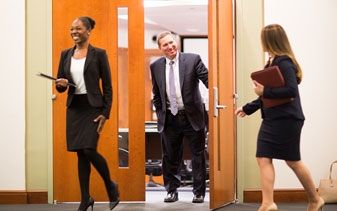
(270, 77)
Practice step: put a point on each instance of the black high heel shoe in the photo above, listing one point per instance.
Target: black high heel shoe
(85, 205)
(113, 195)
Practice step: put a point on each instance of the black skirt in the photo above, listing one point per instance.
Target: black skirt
(81, 129)
(280, 139)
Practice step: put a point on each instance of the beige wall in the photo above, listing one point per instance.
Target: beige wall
(38, 97)
(249, 57)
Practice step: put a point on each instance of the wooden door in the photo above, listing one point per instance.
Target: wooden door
(105, 35)
(222, 146)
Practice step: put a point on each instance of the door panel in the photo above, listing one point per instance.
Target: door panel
(131, 178)
(221, 83)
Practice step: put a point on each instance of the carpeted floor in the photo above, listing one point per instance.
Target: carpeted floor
(177, 206)
(154, 202)
(281, 207)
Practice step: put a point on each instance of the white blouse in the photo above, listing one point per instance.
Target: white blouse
(76, 70)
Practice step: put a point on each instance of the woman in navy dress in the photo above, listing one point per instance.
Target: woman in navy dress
(280, 131)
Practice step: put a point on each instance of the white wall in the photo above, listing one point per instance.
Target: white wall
(12, 89)
(148, 34)
(199, 46)
(311, 28)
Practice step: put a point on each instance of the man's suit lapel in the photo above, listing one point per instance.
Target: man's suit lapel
(90, 55)
(181, 69)
(162, 75)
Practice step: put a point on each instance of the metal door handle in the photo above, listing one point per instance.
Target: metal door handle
(216, 105)
(220, 106)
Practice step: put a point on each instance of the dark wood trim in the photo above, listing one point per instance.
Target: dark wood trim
(281, 195)
(23, 197)
(13, 197)
(37, 197)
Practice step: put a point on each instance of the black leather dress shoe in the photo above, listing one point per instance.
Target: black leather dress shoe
(171, 197)
(198, 199)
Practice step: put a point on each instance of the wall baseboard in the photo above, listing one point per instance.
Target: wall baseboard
(23, 197)
(280, 195)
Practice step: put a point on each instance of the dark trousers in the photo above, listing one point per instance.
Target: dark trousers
(176, 129)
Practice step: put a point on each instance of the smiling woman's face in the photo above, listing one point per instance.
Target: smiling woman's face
(79, 33)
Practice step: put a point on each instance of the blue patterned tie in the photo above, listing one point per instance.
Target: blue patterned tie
(173, 96)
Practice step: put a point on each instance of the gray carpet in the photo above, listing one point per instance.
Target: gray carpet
(154, 202)
(177, 206)
(281, 207)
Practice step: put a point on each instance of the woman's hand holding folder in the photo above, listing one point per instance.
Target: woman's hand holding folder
(61, 82)
(258, 88)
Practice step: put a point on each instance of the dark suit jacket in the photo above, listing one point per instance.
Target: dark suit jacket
(291, 110)
(96, 67)
(191, 69)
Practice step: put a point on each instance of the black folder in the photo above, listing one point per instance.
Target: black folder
(52, 78)
(271, 77)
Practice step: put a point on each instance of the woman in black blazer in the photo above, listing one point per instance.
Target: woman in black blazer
(280, 131)
(88, 106)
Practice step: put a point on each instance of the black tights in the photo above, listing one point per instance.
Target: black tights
(85, 158)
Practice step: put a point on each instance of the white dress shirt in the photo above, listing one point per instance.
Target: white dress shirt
(176, 81)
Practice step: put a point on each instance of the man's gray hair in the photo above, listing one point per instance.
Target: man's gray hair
(164, 34)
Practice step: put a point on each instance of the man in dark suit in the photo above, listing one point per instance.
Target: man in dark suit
(180, 112)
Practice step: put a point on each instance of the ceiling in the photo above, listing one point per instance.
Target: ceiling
(184, 17)
(179, 16)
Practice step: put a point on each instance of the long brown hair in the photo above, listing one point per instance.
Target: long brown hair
(275, 41)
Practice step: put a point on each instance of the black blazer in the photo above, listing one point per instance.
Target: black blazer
(291, 110)
(191, 69)
(96, 68)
